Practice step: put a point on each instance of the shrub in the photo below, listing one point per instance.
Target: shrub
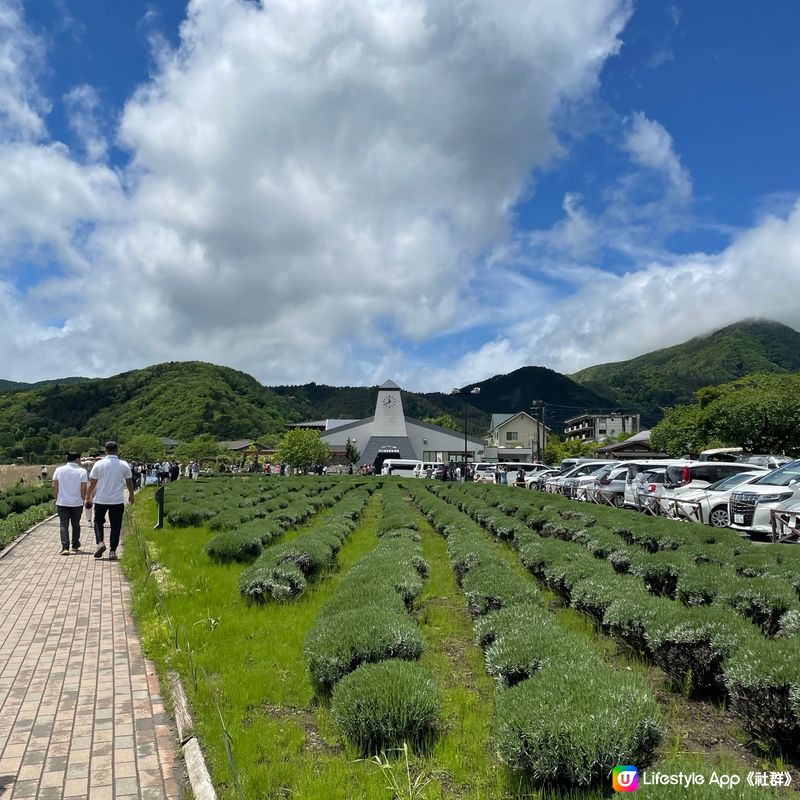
(762, 600)
(380, 706)
(572, 727)
(789, 627)
(763, 681)
(337, 644)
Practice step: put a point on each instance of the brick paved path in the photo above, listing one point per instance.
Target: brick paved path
(81, 713)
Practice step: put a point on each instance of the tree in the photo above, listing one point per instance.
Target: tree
(201, 448)
(302, 448)
(443, 421)
(351, 452)
(759, 413)
(144, 447)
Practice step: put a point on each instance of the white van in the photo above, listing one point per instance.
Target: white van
(485, 470)
(403, 467)
(638, 468)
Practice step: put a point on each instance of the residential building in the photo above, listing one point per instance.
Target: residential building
(637, 447)
(596, 427)
(516, 437)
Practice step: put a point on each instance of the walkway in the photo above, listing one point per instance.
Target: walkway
(81, 712)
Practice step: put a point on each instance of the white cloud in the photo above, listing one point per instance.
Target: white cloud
(651, 146)
(83, 107)
(312, 181)
(21, 54)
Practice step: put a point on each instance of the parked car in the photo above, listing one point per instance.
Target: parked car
(750, 509)
(536, 479)
(650, 489)
(762, 460)
(636, 470)
(699, 474)
(581, 487)
(712, 501)
(556, 484)
(612, 485)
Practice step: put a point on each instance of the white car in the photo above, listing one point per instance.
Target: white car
(536, 478)
(611, 485)
(750, 509)
(556, 485)
(710, 505)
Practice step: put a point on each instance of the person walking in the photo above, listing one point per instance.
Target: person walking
(107, 482)
(70, 483)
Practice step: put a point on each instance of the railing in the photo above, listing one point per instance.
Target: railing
(785, 526)
(683, 510)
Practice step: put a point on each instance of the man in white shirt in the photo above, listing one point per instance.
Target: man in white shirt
(69, 489)
(107, 482)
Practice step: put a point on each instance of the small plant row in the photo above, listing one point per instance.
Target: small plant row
(20, 498)
(562, 715)
(15, 524)
(283, 570)
(696, 574)
(220, 504)
(703, 648)
(364, 641)
(247, 540)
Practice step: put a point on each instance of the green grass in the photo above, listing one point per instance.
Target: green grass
(285, 744)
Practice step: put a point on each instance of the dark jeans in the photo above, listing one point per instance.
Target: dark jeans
(115, 513)
(70, 515)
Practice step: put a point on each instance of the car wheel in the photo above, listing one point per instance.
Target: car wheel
(618, 500)
(718, 518)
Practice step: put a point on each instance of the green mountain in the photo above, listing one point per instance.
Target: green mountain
(516, 391)
(670, 376)
(178, 400)
(318, 401)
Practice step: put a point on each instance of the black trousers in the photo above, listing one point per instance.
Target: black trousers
(70, 515)
(115, 514)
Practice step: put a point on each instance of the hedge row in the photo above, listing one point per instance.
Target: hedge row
(562, 716)
(363, 638)
(694, 573)
(15, 524)
(282, 570)
(704, 647)
(247, 541)
(20, 498)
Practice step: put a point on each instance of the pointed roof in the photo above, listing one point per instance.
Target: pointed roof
(390, 384)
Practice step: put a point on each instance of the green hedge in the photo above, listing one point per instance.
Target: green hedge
(15, 524)
(562, 715)
(386, 705)
(282, 571)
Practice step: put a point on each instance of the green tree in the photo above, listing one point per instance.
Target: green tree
(145, 447)
(202, 448)
(78, 444)
(303, 448)
(443, 421)
(351, 452)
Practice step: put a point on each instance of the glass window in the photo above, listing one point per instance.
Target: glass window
(512, 436)
(782, 476)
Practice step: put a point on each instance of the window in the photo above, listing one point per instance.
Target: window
(601, 430)
(512, 436)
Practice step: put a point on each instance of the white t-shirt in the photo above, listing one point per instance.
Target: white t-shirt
(110, 474)
(70, 477)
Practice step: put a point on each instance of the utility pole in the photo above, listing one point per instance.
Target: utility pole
(539, 406)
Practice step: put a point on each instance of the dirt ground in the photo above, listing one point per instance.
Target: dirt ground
(11, 473)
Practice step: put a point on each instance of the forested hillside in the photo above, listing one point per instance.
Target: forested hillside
(671, 376)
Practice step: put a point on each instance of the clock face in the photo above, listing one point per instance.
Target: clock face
(389, 401)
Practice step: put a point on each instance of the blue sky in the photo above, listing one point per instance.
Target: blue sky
(398, 189)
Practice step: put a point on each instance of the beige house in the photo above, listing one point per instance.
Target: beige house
(517, 437)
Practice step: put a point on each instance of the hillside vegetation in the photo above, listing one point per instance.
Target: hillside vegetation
(671, 376)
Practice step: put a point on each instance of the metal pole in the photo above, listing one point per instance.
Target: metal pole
(465, 433)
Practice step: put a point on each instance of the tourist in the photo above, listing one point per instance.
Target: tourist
(43, 473)
(69, 489)
(107, 482)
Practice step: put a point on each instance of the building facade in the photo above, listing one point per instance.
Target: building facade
(389, 433)
(596, 427)
(516, 437)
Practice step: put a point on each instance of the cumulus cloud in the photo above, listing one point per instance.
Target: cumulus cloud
(310, 182)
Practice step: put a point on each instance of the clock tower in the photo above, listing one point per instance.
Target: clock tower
(389, 419)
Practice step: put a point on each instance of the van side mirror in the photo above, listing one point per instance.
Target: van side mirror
(793, 482)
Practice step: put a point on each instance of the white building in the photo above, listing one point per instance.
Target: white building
(596, 427)
(516, 437)
(389, 433)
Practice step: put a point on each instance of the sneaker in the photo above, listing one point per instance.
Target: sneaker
(76, 549)
(112, 556)
(65, 551)
(100, 550)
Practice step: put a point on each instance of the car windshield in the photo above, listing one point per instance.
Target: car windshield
(782, 476)
(654, 477)
(730, 482)
(601, 471)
